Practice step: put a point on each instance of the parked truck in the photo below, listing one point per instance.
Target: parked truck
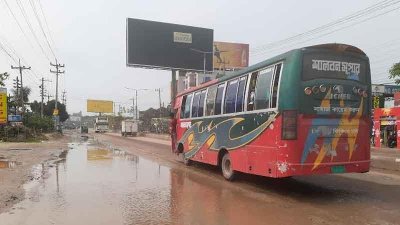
(101, 124)
(129, 127)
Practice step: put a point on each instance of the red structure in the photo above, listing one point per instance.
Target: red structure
(386, 126)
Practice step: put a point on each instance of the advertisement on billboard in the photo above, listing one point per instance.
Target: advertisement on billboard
(3, 105)
(230, 55)
(151, 44)
(99, 106)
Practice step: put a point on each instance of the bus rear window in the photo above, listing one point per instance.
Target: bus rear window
(331, 65)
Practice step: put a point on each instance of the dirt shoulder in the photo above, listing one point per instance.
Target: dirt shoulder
(16, 162)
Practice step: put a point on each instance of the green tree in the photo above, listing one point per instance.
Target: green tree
(395, 73)
(26, 92)
(48, 109)
(3, 77)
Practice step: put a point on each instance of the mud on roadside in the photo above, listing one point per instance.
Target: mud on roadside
(17, 166)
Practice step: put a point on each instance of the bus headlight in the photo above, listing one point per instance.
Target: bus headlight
(315, 90)
(364, 94)
(355, 90)
(307, 91)
(322, 88)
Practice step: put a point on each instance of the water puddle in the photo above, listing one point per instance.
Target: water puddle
(92, 185)
(5, 164)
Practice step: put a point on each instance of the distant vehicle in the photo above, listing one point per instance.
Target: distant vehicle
(129, 127)
(303, 112)
(101, 124)
(84, 129)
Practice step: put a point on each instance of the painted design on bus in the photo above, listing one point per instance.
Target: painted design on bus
(324, 134)
(212, 133)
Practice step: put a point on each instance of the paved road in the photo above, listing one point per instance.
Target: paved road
(138, 181)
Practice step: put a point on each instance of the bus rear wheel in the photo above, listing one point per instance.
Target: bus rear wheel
(226, 167)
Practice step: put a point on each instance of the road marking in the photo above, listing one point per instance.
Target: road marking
(397, 160)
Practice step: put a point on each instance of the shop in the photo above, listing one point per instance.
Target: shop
(386, 125)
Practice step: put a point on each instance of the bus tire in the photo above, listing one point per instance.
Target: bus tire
(226, 167)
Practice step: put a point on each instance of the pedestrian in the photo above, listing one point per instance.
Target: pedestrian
(172, 129)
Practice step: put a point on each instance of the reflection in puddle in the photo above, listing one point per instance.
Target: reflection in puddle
(114, 187)
(4, 164)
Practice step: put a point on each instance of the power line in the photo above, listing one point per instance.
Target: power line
(366, 12)
(19, 25)
(342, 20)
(41, 27)
(45, 22)
(21, 7)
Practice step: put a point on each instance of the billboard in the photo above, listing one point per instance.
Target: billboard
(160, 45)
(230, 55)
(99, 106)
(3, 105)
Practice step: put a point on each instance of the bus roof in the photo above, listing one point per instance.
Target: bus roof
(331, 46)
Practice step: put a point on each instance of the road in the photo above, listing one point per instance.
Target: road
(116, 180)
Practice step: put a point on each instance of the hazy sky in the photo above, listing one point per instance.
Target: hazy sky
(89, 37)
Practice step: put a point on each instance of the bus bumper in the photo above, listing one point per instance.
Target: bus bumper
(287, 169)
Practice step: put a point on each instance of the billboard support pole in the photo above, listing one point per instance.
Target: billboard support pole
(173, 88)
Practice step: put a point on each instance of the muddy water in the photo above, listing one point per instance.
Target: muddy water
(91, 185)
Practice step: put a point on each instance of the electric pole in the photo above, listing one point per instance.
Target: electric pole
(159, 99)
(57, 72)
(48, 97)
(42, 95)
(64, 98)
(136, 94)
(21, 68)
(17, 86)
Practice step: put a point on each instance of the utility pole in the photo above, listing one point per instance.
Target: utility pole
(21, 68)
(57, 72)
(42, 95)
(136, 95)
(64, 98)
(17, 86)
(48, 97)
(159, 99)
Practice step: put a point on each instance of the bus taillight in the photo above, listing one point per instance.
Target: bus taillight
(289, 125)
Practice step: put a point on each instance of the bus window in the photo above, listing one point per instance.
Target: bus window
(230, 96)
(263, 89)
(252, 92)
(188, 100)
(200, 111)
(195, 104)
(276, 83)
(240, 95)
(210, 101)
(218, 99)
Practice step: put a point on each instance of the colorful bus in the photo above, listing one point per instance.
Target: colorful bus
(303, 112)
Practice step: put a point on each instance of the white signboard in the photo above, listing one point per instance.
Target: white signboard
(183, 37)
(378, 88)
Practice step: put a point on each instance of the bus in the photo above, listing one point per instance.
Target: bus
(303, 112)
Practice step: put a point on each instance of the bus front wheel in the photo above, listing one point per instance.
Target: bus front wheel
(226, 167)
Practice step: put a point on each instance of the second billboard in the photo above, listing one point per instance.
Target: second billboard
(230, 55)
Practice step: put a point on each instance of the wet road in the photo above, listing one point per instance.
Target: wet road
(98, 185)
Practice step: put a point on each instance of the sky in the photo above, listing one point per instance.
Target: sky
(89, 38)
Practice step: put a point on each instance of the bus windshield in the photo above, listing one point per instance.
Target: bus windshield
(330, 65)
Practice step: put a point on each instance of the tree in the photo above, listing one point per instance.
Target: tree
(395, 73)
(3, 77)
(48, 109)
(26, 92)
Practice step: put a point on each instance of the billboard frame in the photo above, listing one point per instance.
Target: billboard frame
(145, 66)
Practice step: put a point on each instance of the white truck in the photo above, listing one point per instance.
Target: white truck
(129, 127)
(101, 124)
